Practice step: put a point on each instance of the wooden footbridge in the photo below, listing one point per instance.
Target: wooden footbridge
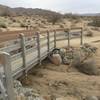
(21, 54)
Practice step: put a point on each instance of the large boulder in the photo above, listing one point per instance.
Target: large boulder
(20, 97)
(91, 98)
(56, 59)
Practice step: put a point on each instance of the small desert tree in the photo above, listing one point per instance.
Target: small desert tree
(54, 19)
(3, 25)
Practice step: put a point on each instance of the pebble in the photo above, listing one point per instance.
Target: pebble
(91, 98)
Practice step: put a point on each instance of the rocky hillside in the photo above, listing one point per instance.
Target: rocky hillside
(7, 11)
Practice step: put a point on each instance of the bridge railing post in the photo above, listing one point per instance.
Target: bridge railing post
(81, 41)
(55, 39)
(48, 41)
(69, 38)
(38, 48)
(22, 37)
(9, 86)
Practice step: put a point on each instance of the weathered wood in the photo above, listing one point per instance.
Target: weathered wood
(38, 48)
(81, 41)
(68, 38)
(48, 41)
(54, 38)
(35, 49)
(31, 56)
(6, 62)
(23, 50)
(2, 87)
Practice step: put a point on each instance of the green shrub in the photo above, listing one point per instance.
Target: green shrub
(89, 34)
(3, 25)
(54, 19)
(61, 26)
(95, 22)
(22, 25)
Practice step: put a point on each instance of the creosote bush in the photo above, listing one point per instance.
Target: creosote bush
(22, 25)
(54, 19)
(95, 22)
(3, 25)
(89, 35)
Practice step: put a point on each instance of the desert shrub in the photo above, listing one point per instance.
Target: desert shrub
(44, 22)
(95, 22)
(72, 17)
(3, 25)
(87, 51)
(54, 19)
(95, 28)
(22, 25)
(89, 34)
(61, 26)
(13, 20)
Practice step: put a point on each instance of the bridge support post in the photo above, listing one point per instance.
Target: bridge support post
(38, 48)
(48, 41)
(9, 88)
(68, 38)
(55, 39)
(23, 51)
(81, 41)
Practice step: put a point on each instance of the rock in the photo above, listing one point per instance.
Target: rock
(17, 84)
(91, 98)
(18, 87)
(29, 92)
(62, 52)
(20, 97)
(56, 59)
(88, 68)
(66, 61)
(49, 97)
(23, 93)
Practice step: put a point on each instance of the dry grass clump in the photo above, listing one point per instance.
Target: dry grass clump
(95, 22)
(23, 25)
(89, 34)
(61, 26)
(3, 25)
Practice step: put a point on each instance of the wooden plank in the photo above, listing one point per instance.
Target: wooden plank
(81, 41)
(10, 48)
(48, 41)
(23, 51)
(68, 38)
(54, 39)
(6, 61)
(38, 47)
(2, 87)
(40, 44)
